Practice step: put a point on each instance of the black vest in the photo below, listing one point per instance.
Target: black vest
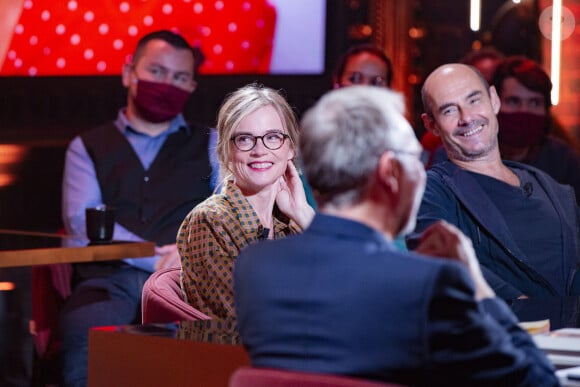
(151, 203)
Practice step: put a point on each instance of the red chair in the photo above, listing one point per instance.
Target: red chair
(162, 300)
(266, 377)
(51, 286)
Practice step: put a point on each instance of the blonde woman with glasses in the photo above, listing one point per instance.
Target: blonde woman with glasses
(262, 196)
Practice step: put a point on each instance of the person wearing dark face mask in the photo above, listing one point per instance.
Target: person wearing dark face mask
(159, 102)
(526, 130)
(153, 168)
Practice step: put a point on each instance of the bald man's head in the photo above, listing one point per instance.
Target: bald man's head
(447, 73)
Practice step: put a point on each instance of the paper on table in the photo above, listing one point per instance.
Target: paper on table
(562, 347)
(560, 340)
(567, 332)
(569, 377)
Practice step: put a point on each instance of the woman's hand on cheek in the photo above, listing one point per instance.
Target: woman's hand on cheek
(291, 198)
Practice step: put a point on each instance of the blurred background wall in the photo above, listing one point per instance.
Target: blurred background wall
(40, 115)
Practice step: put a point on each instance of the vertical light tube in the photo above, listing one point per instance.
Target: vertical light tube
(474, 14)
(556, 50)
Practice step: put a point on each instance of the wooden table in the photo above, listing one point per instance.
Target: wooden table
(157, 355)
(23, 253)
(26, 248)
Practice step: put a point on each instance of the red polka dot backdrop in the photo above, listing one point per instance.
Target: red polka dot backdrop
(84, 37)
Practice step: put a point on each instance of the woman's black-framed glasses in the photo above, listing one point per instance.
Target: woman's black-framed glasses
(271, 140)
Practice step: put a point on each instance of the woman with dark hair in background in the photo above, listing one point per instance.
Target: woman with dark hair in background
(526, 127)
(363, 64)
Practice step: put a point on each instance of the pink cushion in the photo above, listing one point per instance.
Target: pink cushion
(163, 300)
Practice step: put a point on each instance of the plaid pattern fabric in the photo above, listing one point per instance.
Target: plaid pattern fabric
(209, 240)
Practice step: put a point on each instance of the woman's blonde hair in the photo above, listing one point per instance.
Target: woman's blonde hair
(241, 103)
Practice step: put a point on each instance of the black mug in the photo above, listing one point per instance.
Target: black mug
(100, 222)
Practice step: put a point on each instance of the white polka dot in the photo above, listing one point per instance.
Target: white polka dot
(60, 29)
(246, 6)
(205, 31)
(19, 29)
(132, 30)
(33, 41)
(198, 8)
(101, 66)
(32, 71)
(245, 45)
(229, 65)
(72, 5)
(18, 63)
(60, 63)
(88, 54)
(46, 51)
(148, 20)
(232, 27)
(117, 44)
(11, 54)
(89, 16)
(124, 7)
(104, 29)
(45, 15)
(75, 39)
(260, 23)
(187, 1)
(27, 4)
(219, 5)
(167, 9)
(218, 49)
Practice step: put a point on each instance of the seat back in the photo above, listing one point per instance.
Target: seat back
(266, 377)
(162, 300)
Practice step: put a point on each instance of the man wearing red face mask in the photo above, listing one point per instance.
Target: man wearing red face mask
(153, 168)
(526, 131)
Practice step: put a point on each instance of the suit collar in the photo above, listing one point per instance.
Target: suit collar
(344, 229)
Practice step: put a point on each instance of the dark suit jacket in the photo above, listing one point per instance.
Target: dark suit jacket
(341, 299)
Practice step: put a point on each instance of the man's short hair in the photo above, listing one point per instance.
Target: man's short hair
(343, 137)
(175, 40)
(527, 72)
